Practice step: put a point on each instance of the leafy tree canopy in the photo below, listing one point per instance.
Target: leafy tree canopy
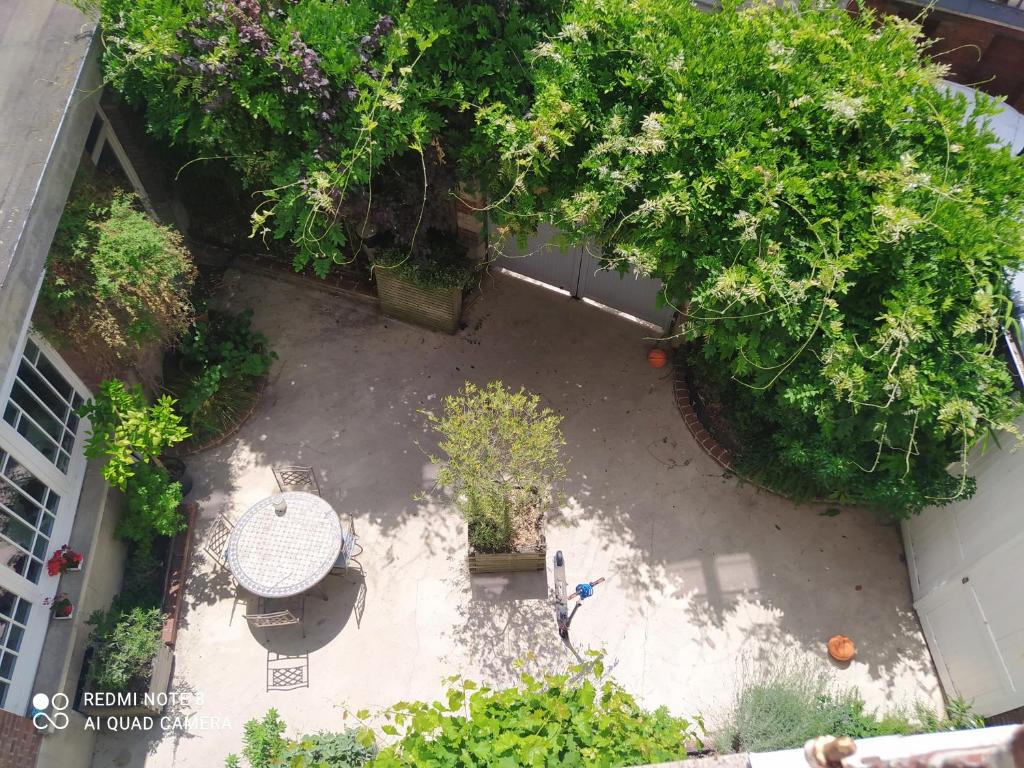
(835, 226)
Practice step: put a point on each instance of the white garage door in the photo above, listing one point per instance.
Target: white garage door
(967, 572)
(546, 258)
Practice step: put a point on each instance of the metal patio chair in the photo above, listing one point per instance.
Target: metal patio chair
(350, 550)
(216, 544)
(265, 620)
(296, 478)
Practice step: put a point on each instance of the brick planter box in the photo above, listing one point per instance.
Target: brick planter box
(436, 308)
(175, 575)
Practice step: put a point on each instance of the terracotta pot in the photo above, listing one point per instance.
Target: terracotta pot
(841, 648)
(657, 358)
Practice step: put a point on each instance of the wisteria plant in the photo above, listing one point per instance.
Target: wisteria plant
(834, 225)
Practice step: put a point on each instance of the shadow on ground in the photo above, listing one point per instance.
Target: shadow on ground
(701, 570)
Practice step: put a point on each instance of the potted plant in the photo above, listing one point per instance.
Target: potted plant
(64, 560)
(131, 435)
(501, 463)
(61, 607)
(423, 283)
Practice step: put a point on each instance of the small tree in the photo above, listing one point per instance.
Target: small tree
(502, 461)
(131, 435)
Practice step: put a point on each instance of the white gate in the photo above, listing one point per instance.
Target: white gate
(967, 573)
(572, 269)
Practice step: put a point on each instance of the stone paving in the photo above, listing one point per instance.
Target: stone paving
(706, 577)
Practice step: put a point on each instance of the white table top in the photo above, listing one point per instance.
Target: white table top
(275, 555)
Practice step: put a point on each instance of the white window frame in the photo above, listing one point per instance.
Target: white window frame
(68, 485)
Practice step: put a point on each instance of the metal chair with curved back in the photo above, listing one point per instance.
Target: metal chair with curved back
(296, 478)
(350, 550)
(294, 614)
(216, 544)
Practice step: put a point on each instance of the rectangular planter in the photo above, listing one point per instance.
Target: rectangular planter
(151, 702)
(436, 308)
(176, 574)
(505, 562)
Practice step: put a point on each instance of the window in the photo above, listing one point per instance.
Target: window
(42, 407)
(41, 471)
(28, 509)
(14, 613)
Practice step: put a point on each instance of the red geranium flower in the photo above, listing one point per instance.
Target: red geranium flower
(63, 560)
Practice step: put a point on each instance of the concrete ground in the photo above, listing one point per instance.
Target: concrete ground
(707, 578)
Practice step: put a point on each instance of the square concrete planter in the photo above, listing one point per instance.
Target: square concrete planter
(506, 562)
(436, 308)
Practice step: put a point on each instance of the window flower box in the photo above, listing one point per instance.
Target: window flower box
(61, 607)
(64, 560)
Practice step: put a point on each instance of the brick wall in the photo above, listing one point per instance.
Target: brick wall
(983, 55)
(19, 741)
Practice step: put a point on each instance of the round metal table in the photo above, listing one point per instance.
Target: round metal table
(274, 555)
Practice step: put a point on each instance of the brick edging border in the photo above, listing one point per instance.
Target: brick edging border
(710, 446)
(684, 402)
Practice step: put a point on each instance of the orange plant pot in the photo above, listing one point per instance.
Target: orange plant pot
(657, 358)
(841, 648)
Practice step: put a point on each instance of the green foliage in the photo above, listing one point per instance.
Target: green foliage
(785, 703)
(313, 101)
(126, 642)
(441, 267)
(267, 747)
(553, 721)
(330, 750)
(115, 279)
(489, 521)
(837, 227)
(502, 456)
(219, 365)
(959, 716)
(127, 431)
(143, 578)
(226, 342)
(264, 740)
(154, 502)
(579, 720)
(131, 434)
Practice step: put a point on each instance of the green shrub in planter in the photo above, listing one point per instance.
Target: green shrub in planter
(787, 701)
(266, 746)
(501, 461)
(125, 641)
(423, 285)
(117, 282)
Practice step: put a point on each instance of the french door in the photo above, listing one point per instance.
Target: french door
(41, 470)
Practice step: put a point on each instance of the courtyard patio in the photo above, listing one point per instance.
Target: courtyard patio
(704, 574)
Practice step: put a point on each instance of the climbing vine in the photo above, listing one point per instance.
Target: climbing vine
(314, 102)
(834, 226)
